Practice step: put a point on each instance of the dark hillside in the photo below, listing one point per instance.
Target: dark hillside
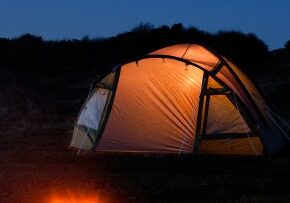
(31, 52)
(274, 79)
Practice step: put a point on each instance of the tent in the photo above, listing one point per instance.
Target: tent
(180, 99)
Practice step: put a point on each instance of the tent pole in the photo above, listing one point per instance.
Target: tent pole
(199, 113)
(205, 114)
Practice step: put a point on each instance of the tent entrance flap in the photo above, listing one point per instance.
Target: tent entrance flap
(86, 129)
(91, 117)
(225, 130)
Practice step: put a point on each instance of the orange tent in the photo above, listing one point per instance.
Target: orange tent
(180, 99)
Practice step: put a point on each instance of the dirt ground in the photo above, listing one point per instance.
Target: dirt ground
(39, 165)
(38, 110)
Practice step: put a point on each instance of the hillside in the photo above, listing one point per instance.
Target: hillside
(274, 80)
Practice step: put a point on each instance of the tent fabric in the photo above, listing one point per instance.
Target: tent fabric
(160, 114)
(212, 83)
(192, 52)
(183, 98)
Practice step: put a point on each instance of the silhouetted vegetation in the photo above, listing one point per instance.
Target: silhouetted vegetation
(29, 51)
(246, 50)
(287, 45)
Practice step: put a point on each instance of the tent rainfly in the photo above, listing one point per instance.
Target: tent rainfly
(180, 99)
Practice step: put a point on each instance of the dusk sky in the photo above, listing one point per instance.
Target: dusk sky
(66, 19)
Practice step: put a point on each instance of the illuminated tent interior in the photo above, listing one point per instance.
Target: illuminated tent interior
(180, 99)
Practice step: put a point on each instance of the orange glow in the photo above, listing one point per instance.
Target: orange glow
(75, 197)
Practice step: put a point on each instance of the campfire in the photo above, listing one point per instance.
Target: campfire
(69, 196)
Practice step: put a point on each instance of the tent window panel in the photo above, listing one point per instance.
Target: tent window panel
(226, 130)
(89, 119)
(223, 117)
(246, 146)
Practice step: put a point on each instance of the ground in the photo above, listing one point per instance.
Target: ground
(38, 110)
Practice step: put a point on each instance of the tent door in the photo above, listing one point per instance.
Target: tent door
(226, 126)
(91, 117)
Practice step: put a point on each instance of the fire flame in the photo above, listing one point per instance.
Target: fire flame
(75, 197)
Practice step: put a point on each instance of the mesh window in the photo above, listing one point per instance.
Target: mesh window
(92, 114)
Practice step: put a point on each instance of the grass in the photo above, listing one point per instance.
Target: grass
(29, 174)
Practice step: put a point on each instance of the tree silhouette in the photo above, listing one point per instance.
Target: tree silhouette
(32, 52)
(246, 50)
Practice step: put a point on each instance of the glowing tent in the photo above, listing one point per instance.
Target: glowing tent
(180, 99)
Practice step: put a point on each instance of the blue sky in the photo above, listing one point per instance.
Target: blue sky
(64, 19)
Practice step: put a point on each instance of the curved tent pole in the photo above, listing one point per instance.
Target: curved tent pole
(206, 108)
(187, 62)
(224, 62)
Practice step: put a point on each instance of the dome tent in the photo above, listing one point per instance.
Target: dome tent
(180, 99)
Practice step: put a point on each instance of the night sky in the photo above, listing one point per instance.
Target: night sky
(66, 19)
